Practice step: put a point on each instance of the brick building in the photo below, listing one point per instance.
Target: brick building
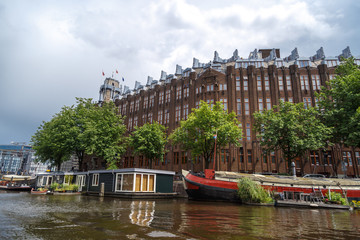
(243, 85)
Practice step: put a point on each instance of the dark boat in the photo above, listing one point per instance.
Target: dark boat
(223, 185)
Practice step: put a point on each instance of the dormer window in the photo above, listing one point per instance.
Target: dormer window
(303, 63)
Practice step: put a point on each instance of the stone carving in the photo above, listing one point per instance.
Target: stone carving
(149, 81)
(272, 56)
(179, 70)
(254, 54)
(320, 55)
(293, 56)
(163, 76)
(126, 90)
(346, 53)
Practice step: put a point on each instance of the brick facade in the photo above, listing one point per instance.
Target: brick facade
(244, 86)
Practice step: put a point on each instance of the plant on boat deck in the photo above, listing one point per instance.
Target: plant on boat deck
(336, 197)
(54, 186)
(250, 191)
(355, 203)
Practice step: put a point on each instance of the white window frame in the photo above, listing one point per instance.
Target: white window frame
(95, 179)
(134, 182)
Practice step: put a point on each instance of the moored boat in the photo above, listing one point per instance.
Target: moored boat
(39, 191)
(222, 185)
(14, 183)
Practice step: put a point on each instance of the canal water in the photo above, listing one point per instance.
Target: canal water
(25, 216)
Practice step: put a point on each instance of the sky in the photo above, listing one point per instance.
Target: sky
(54, 51)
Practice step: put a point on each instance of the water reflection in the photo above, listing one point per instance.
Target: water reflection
(81, 217)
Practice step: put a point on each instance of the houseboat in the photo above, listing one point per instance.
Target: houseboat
(223, 185)
(131, 183)
(15, 183)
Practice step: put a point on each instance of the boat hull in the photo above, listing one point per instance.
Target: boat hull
(202, 188)
(16, 188)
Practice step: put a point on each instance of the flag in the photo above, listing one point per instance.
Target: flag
(123, 79)
(117, 71)
(215, 136)
(103, 73)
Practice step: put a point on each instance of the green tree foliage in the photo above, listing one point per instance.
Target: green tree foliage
(149, 140)
(292, 129)
(49, 142)
(197, 132)
(82, 129)
(252, 192)
(340, 103)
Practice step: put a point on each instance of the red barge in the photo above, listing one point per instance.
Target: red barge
(221, 185)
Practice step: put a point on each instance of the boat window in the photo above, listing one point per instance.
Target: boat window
(95, 180)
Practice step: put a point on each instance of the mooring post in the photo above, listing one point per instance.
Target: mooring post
(102, 189)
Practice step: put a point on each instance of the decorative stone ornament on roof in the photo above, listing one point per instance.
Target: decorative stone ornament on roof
(320, 55)
(293, 56)
(346, 53)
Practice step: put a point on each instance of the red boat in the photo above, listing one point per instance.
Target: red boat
(222, 185)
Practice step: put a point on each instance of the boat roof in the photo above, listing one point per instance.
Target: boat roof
(280, 179)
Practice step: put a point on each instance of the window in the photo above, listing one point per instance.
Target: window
(210, 87)
(347, 158)
(279, 63)
(210, 102)
(288, 83)
(167, 115)
(137, 103)
(135, 121)
(259, 83)
(186, 111)
(304, 63)
(327, 158)
(261, 106)
(184, 157)
(130, 124)
(186, 92)
(161, 97)
(249, 156)
(265, 157)
(307, 102)
(144, 118)
(176, 158)
(238, 106)
(224, 155)
(268, 103)
(237, 83)
(331, 63)
(245, 83)
(248, 131)
(267, 84)
(150, 117)
(316, 82)
(357, 157)
(95, 179)
(247, 111)
(167, 96)
(178, 93)
(177, 113)
(222, 86)
(224, 102)
(331, 76)
(152, 100)
(290, 99)
(135, 182)
(314, 157)
(241, 154)
(160, 116)
(304, 82)
(197, 103)
(145, 102)
(281, 83)
(132, 103)
(198, 90)
(272, 156)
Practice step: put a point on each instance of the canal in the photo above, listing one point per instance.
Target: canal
(25, 216)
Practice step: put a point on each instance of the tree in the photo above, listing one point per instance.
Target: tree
(340, 102)
(149, 140)
(49, 142)
(291, 129)
(83, 129)
(198, 131)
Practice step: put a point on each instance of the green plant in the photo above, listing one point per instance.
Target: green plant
(336, 197)
(54, 186)
(75, 187)
(355, 203)
(250, 191)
